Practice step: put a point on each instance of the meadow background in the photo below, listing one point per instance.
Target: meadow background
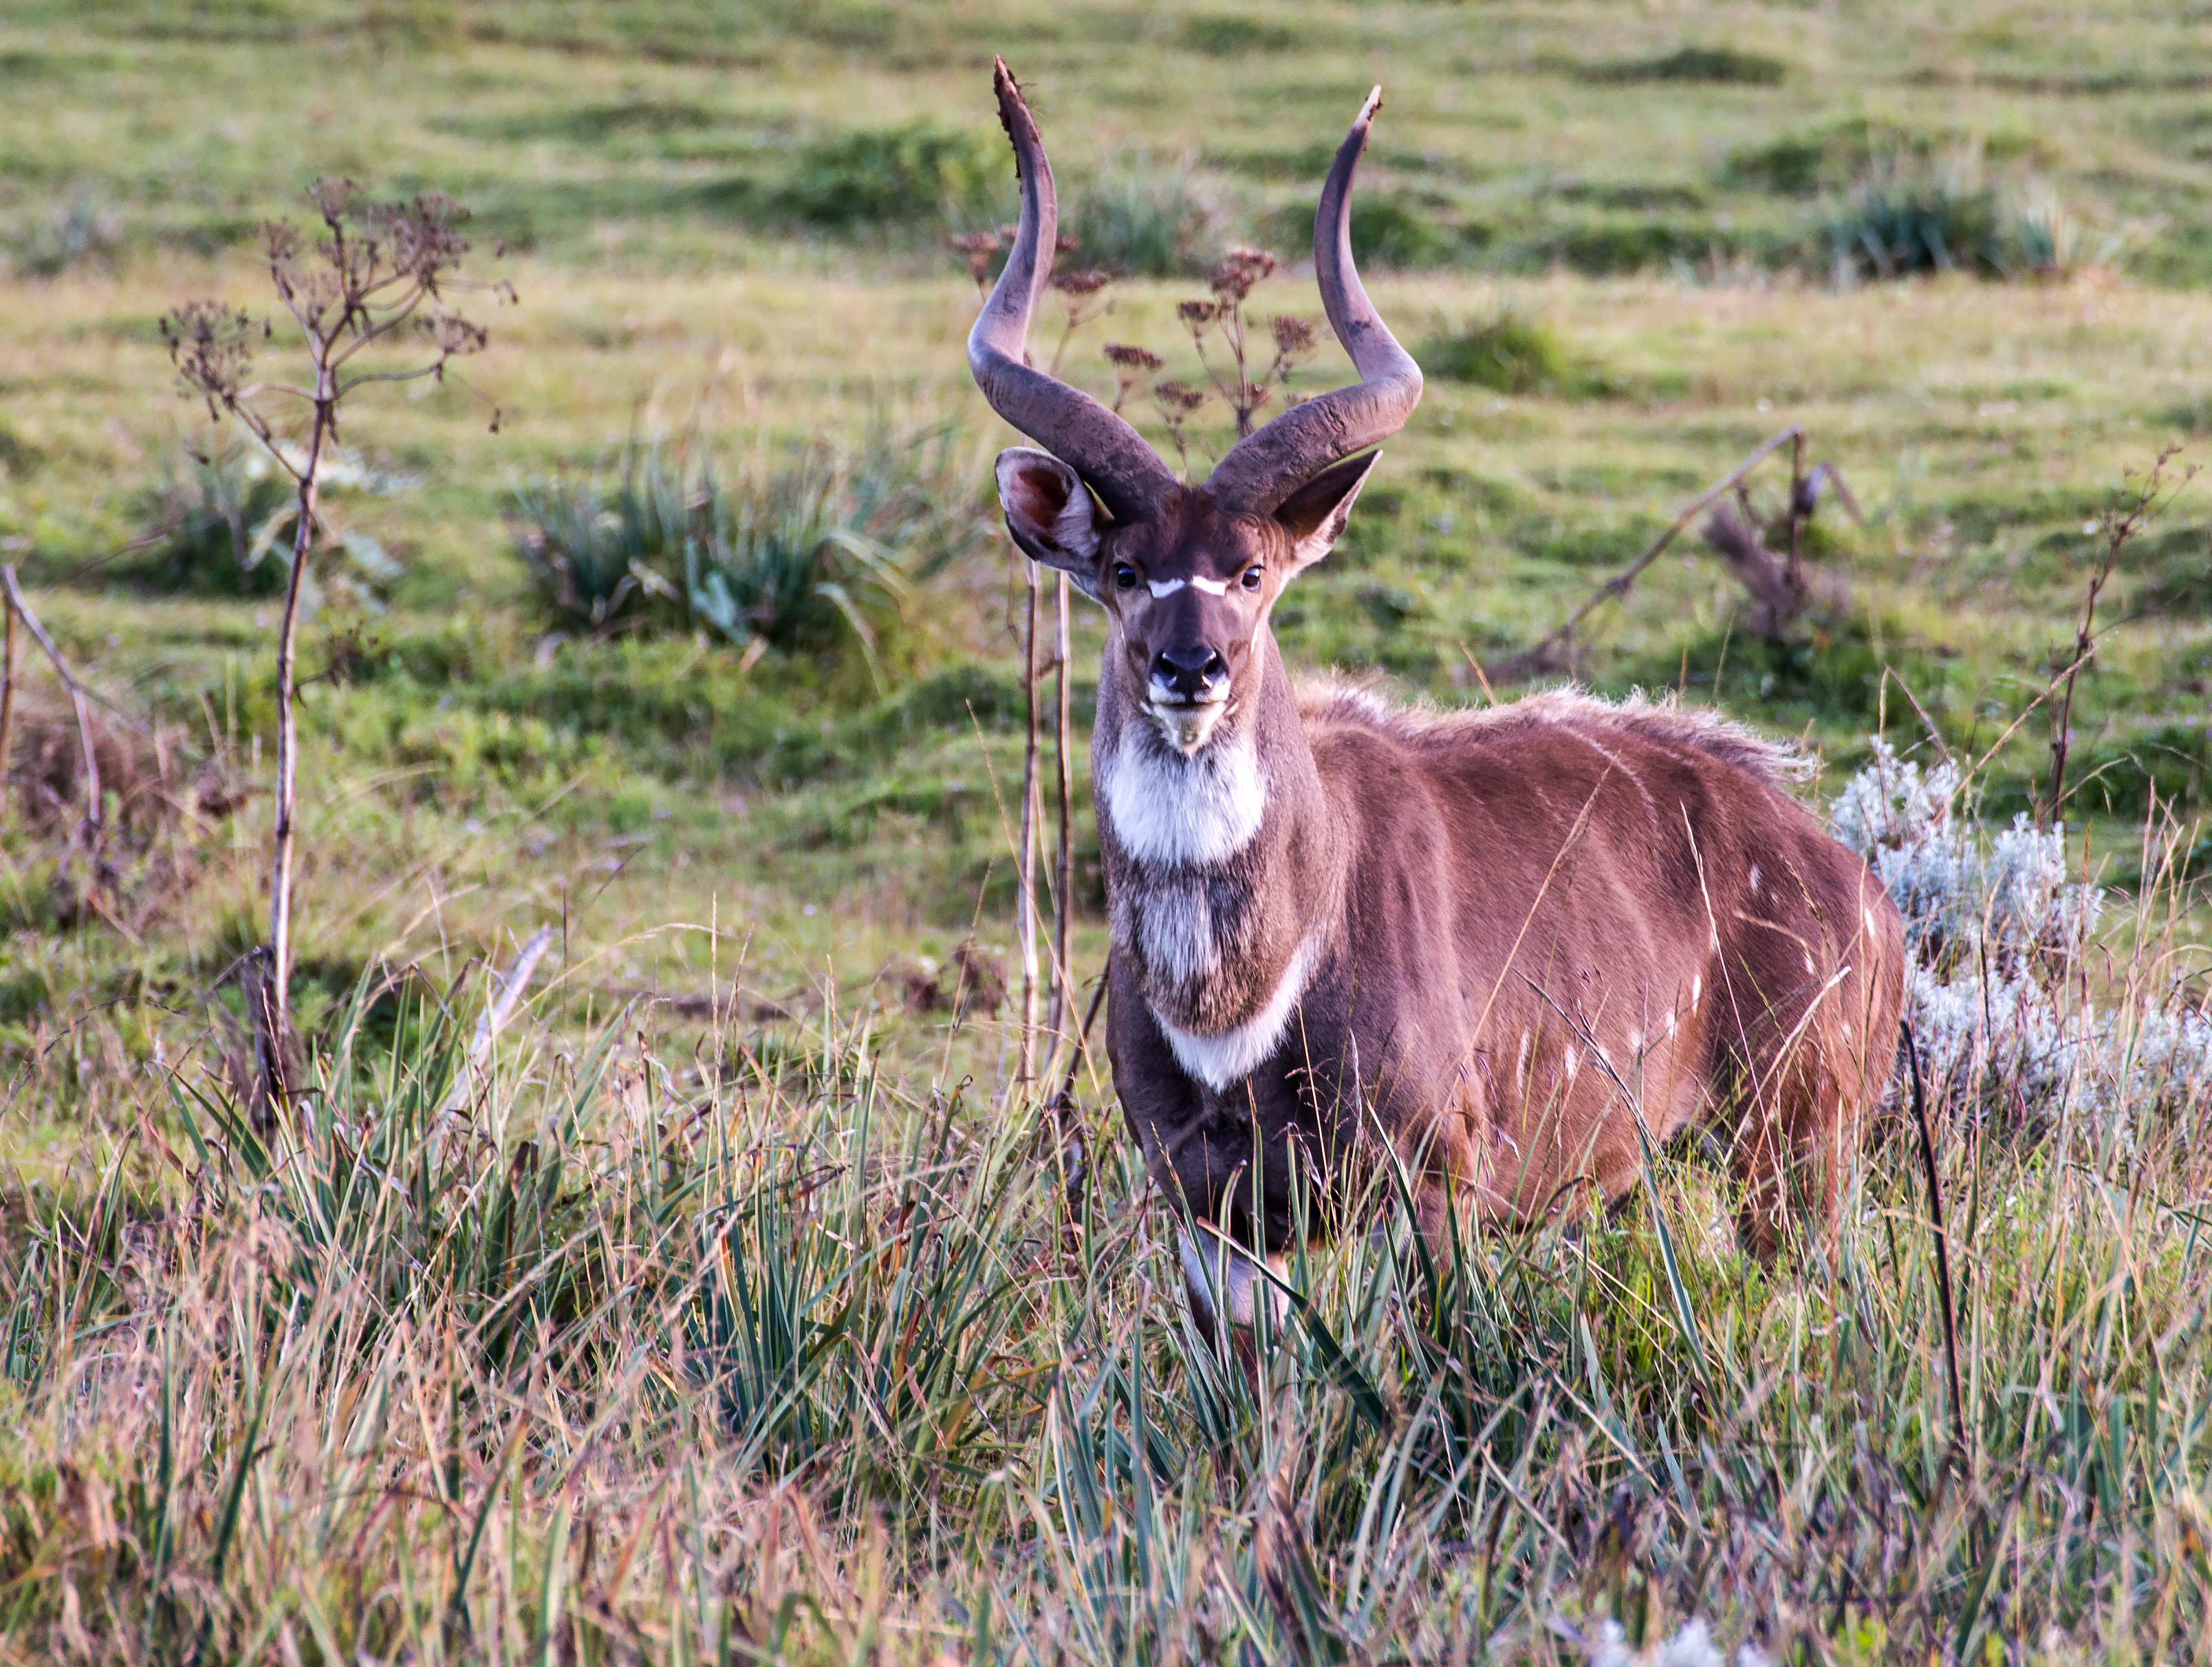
(736, 1305)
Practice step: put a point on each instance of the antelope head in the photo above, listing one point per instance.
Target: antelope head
(1187, 574)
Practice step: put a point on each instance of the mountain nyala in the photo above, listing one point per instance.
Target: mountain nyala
(1516, 947)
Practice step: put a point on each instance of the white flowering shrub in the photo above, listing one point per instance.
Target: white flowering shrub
(1692, 1647)
(1997, 932)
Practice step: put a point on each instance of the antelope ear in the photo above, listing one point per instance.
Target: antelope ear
(1051, 513)
(1316, 513)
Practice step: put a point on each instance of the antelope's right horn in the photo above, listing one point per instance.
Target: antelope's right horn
(1109, 455)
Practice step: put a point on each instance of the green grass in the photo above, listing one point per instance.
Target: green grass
(737, 1311)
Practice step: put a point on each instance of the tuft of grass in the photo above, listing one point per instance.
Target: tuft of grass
(892, 174)
(1903, 218)
(1717, 65)
(214, 527)
(1144, 220)
(1388, 231)
(78, 232)
(1510, 350)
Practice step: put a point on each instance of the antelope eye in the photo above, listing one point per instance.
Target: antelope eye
(1253, 577)
(1125, 576)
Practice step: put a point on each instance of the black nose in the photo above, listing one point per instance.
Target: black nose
(1188, 668)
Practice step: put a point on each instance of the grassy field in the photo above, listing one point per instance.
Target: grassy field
(735, 1308)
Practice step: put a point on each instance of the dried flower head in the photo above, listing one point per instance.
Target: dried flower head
(1293, 336)
(975, 250)
(1197, 314)
(211, 345)
(1087, 281)
(1177, 400)
(1240, 270)
(424, 236)
(454, 336)
(1124, 356)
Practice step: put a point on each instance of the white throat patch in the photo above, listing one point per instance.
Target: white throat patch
(1232, 1055)
(1177, 811)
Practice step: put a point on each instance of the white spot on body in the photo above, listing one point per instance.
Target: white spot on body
(1697, 989)
(1754, 879)
(1521, 1063)
(1574, 1064)
(1185, 812)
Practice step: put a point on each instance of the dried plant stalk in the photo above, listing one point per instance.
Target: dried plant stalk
(1063, 901)
(8, 703)
(20, 608)
(1026, 865)
(379, 269)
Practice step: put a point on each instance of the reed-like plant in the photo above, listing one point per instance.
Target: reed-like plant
(814, 551)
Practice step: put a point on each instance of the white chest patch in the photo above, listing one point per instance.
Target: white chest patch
(1181, 812)
(1232, 1055)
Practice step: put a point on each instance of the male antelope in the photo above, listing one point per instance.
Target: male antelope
(1500, 937)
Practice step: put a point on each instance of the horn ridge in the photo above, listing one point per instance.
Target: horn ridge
(1281, 455)
(1111, 457)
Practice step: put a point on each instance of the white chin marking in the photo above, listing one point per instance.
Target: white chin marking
(1189, 728)
(1182, 810)
(1230, 1056)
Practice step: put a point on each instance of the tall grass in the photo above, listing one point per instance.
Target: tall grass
(764, 1354)
(1144, 220)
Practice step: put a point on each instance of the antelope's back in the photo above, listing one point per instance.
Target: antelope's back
(1629, 866)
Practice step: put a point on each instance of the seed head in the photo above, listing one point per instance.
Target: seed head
(1177, 400)
(1123, 356)
(1293, 335)
(1240, 270)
